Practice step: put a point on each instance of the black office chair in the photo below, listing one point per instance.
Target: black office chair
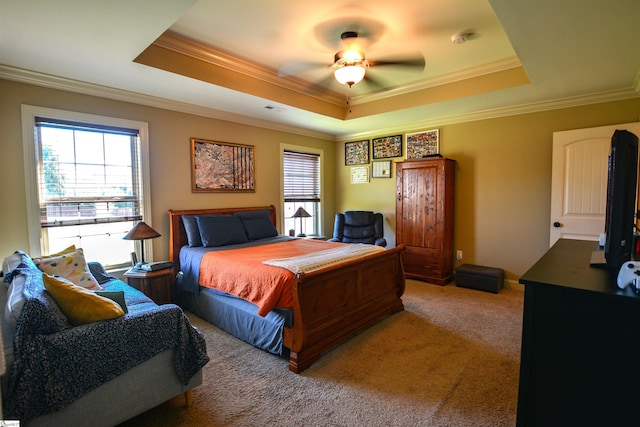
(359, 227)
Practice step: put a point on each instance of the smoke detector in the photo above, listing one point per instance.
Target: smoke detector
(460, 38)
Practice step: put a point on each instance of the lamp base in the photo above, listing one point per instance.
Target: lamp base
(301, 235)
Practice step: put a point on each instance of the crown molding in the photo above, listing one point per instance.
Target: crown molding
(70, 85)
(54, 82)
(534, 107)
(194, 49)
(444, 79)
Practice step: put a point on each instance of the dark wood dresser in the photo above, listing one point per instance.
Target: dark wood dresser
(580, 343)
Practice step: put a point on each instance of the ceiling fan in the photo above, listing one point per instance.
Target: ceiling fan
(350, 66)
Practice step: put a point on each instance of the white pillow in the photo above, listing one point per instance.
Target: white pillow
(15, 300)
(15, 297)
(11, 262)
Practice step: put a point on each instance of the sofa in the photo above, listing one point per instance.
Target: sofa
(92, 354)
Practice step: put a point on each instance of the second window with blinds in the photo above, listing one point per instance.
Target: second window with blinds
(301, 189)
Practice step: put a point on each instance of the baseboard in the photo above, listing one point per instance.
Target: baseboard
(513, 284)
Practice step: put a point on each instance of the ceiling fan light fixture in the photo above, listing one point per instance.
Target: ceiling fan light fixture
(349, 74)
(349, 66)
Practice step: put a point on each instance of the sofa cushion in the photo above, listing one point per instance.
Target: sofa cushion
(72, 266)
(79, 304)
(117, 296)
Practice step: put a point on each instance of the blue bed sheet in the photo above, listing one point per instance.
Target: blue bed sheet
(233, 315)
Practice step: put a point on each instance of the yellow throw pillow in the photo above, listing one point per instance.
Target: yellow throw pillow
(79, 304)
(72, 266)
(64, 251)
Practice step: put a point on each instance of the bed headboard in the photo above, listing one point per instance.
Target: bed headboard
(178, 235)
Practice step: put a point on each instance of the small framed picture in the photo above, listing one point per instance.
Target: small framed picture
(387, 146)
(423, 144)
(381, 169)
(356, 153)
(360, 174)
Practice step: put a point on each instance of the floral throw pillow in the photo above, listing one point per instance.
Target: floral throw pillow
(72, 266)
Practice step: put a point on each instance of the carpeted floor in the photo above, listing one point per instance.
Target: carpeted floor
(450, 359)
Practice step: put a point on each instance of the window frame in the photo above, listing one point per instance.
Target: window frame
(29, 114)
(318, 222)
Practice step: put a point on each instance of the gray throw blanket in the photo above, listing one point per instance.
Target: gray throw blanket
(55, 363)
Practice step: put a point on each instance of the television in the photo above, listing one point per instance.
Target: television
(621, 199)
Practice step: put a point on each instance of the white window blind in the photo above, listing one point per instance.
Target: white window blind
(87, 174)
(301, 177)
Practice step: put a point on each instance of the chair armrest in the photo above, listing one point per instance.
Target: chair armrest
(381, 241)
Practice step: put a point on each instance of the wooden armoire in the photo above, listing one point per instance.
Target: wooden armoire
(424, 218)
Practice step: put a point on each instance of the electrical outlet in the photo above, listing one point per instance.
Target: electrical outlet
(459, 255)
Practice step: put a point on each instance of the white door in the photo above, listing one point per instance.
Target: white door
(579, 181)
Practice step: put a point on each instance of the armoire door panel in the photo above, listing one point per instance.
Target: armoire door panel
(424, 218)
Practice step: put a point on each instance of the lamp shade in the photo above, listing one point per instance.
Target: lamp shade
(141, 231)
(349, 74)
(301, 213)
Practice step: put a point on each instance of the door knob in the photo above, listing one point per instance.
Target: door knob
(557, 224)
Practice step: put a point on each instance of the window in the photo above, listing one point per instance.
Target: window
(301, 188)
(87, 183)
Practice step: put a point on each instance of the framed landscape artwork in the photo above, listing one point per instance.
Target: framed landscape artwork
(222, 167)
(423, 144)
(387, 146)
(356, 153)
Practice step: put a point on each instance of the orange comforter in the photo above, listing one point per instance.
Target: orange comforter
(240, 272)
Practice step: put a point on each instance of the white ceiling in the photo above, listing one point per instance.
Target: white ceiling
(573, 52)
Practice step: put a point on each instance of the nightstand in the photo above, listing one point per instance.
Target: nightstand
(157, 285)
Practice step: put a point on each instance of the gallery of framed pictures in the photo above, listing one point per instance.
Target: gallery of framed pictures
(356, 153)
(387, 147)
(423, 144)
(222, 166)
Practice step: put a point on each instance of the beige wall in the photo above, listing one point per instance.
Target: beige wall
(169, 157)
(503, 182)
(503, 175)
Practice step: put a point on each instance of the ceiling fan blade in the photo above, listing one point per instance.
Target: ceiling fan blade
(416, 62)
(292, 68)
(375, 83)
(321, 86)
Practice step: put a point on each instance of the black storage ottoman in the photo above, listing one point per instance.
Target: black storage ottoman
(488, 279)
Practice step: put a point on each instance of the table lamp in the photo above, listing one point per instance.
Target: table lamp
(141, 231)
(301, 213)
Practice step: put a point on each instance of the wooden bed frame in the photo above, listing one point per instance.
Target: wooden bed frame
(331, 305)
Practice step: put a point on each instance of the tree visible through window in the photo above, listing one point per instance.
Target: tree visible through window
(89, 187)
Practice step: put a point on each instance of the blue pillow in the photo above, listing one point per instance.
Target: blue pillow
(257, 224)
(192, 230)
(221, 230)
